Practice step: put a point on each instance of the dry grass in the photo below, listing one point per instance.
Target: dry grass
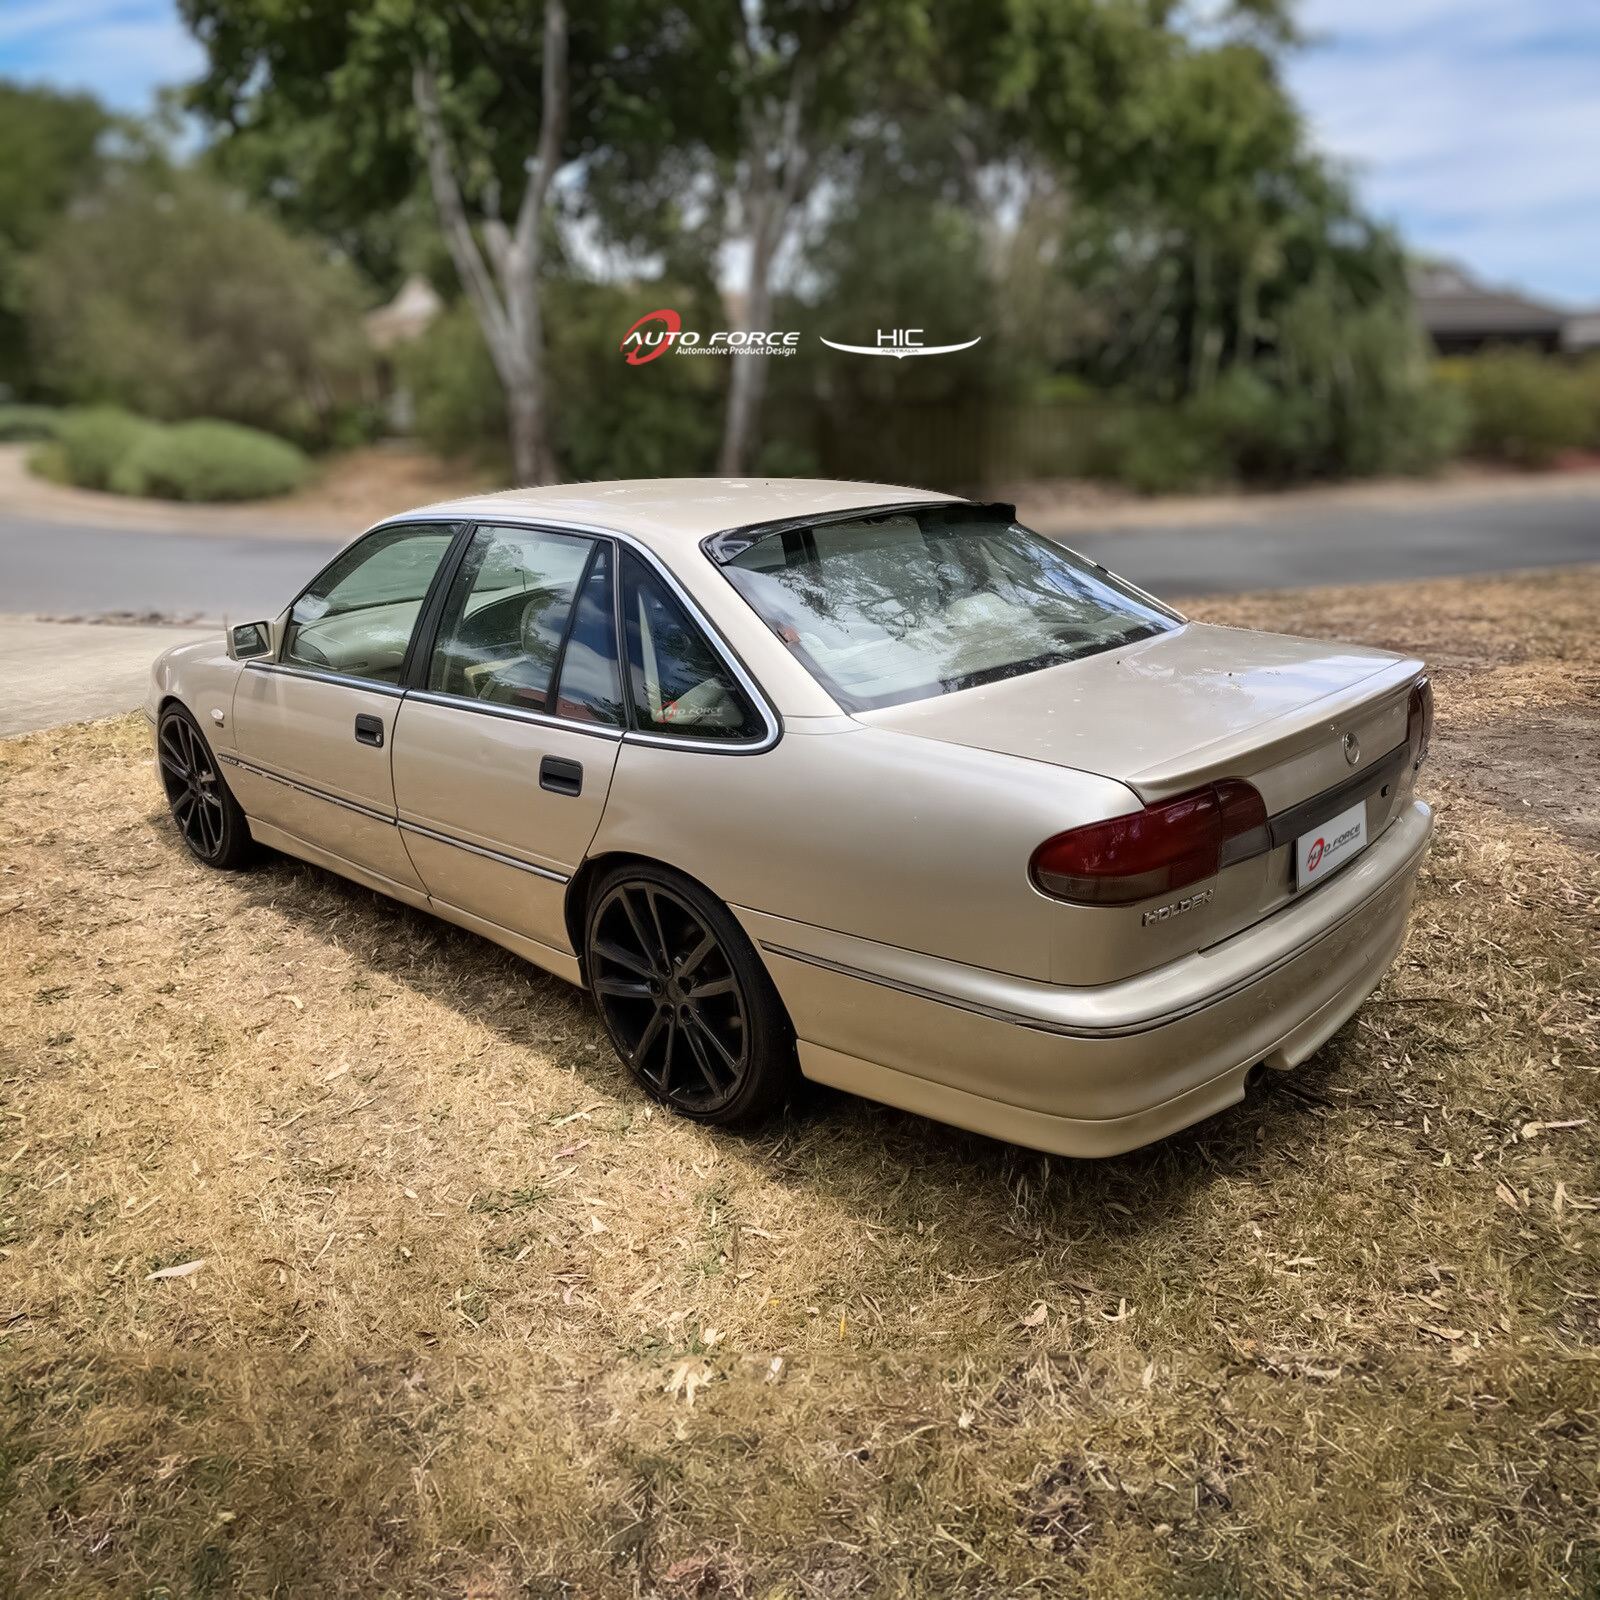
(473, 1322)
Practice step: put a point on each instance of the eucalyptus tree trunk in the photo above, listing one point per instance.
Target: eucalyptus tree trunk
(504, 289)
(774, 179)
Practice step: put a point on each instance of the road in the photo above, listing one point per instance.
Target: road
(1306, 547)
(54, 569)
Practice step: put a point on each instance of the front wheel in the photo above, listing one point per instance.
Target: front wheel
(685, 999)
(209, 818)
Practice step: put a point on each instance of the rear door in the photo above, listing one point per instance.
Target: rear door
(503, 752)
(313, 728)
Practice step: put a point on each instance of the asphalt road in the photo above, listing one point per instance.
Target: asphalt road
(55, 570)
(1348, 544)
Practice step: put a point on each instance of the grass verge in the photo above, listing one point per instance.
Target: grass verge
(474, 1322)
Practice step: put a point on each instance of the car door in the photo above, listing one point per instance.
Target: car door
(503, 753)
(313, 727)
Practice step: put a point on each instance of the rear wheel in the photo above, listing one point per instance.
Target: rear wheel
(685, 998)
(209, 818)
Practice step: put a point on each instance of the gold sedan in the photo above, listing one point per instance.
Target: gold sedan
(840, 780)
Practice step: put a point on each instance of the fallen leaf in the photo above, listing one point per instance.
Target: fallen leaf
(1036, 1316)
(296, 1002)
(1509, 1198)
(597, 1226)
(338, 1072)
(1449, 1334)
(188, 1268)
(571, 1150)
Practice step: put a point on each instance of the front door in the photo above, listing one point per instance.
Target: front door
(503, 761)
(314, 729)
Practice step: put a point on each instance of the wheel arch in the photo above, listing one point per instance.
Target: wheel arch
(580, 888)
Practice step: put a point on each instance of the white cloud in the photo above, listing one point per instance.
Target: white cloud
(1474, 124)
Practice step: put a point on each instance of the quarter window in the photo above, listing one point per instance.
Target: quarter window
(678, 684)
(506, 618)
(357, 618)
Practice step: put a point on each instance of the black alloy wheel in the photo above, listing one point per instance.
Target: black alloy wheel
(209, 818)
(687, 1003)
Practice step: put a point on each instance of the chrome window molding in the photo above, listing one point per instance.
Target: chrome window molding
(294, 670)
(484, 851)
(724, 651)
(305, 788)
(489, 708)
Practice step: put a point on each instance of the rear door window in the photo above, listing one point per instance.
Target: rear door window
(506, 618)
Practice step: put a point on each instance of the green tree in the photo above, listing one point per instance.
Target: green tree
(49, 152)
(337, 111)
(166, 293)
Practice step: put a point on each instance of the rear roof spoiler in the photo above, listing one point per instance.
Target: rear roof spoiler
(723, 547)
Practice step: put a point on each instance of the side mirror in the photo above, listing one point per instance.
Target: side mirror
(248, 640)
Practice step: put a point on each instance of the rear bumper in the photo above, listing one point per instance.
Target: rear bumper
(1092, 1072)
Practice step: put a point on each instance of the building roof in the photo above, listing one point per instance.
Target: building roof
(667, 513)
(1451, 303)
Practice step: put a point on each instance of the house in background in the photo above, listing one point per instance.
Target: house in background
(1462, 315)
(408, 316)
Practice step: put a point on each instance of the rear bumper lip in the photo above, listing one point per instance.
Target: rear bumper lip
(1151, 1000)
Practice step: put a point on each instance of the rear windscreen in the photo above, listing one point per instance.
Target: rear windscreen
(897, 607)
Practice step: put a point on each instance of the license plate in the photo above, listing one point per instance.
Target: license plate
(1327, 848)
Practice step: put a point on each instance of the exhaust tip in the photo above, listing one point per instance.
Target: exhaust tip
(1253, 1078)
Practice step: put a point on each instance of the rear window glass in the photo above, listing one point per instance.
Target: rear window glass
(887, 609)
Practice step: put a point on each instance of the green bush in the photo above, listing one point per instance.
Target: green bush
(94, 442)
(27, 422)
(1526, 408)
(210, 461)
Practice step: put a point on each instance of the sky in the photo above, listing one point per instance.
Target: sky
(1474, 125)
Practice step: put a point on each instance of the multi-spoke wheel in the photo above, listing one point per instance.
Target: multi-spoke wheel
(684, 997)
(202, 805)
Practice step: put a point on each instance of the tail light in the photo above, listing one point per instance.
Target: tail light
(1419, 721)
(1156, 851)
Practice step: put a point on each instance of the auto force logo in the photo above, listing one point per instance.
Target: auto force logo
(1322, 849)
(900, 343)
(642, 342)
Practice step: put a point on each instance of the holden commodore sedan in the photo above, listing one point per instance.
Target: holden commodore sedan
(839, 780)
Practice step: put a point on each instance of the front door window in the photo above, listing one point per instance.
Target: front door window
(356, 620)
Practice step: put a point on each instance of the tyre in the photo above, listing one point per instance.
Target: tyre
(685, 999)
(210, 820)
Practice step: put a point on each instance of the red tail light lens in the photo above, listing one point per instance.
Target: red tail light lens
(1419, 721)
(1156, 851)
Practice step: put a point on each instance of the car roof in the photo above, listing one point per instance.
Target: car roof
(670, 513)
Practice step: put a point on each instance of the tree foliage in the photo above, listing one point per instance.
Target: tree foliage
(49, 152)
(166, 293)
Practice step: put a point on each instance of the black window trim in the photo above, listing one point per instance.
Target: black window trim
(421, 648)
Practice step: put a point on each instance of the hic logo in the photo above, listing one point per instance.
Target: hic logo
(900, 343)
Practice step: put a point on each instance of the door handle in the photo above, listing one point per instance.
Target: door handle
(369, 730)
(560, 776)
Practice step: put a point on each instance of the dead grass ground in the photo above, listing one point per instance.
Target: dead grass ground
(473, 1322)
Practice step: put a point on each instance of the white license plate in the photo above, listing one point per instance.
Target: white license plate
(1327, 848)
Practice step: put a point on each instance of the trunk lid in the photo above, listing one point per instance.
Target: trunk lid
(1301, 719)
(1169, 712)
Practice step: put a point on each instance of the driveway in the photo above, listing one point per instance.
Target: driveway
(53, 672)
